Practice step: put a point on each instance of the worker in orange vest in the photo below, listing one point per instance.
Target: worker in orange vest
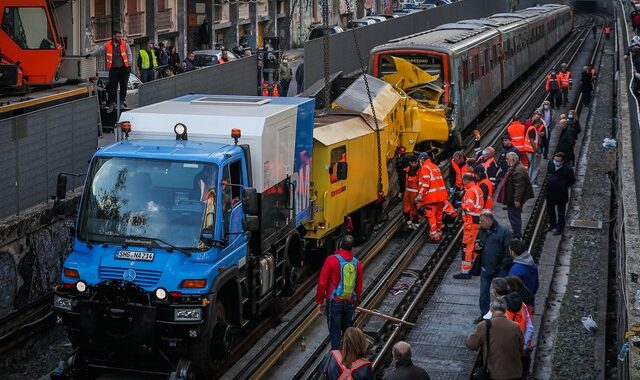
(488, 162)
(118, 61)
(432, 194)
(517, 131)
(553, 87)
(607, 32)
(457, 169)
(565, 83)
(485, 184)
(409, 208)
(472, 205)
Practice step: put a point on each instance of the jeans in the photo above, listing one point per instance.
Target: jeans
(556, 222)
(339, 318)
(117, 75)
(485, 290)
(515, 219)
(147, 75)
(565, 96)
(534, 166)
(554, 99)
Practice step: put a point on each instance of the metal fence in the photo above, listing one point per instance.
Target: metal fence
(233, 78)
(342, 51)
(39, 145)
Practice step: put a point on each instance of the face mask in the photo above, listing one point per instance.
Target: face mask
(546, 107)
(570, 117)
(484, 153)
(557, 164)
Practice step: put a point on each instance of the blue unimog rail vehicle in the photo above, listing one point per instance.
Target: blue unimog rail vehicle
(186, 231)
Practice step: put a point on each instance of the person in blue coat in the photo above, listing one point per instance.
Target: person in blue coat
(524, 267)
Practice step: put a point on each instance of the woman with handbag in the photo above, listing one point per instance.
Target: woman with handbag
(349, 361)
(500, 341)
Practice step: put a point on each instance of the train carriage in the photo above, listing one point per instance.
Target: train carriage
(465, 57)
(476, 59)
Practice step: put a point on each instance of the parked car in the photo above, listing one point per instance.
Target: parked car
(359, 23)
(205, 58)
(408, 4)
(424, 6)
(388, 17)
(375, 18)
(437, 2)
(318, 31)
(132, 88)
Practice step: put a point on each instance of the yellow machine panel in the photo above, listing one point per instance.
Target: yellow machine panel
(351, 140)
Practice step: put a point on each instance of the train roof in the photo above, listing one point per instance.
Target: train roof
(501, 23)
(447, 37)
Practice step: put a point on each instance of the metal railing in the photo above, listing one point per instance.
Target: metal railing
(135, 24)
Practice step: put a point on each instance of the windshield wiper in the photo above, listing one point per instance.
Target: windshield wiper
(130, 239)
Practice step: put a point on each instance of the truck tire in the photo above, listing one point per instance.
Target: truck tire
(206, 351)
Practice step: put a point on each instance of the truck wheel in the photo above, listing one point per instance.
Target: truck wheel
(222, 341)
(183, 371)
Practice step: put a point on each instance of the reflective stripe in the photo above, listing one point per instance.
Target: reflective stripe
(411, 190)
(433, 190)
(472, 213)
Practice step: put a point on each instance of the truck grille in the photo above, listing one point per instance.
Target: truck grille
(143, 277)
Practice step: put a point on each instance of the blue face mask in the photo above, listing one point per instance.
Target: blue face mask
(484, 153)
(557, 164)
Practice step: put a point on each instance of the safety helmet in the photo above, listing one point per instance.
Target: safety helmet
(564, 66)
(424, 155)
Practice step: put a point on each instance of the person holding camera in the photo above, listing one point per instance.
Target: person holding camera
(492, 245)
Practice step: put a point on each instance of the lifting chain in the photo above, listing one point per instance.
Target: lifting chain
(366, 85)
(288, 38)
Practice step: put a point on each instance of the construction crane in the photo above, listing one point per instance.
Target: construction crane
(31, 45)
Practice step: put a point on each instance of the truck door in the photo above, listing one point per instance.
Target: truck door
(232, 231)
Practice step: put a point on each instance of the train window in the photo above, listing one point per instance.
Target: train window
(338, 154)
(508, 48)
(431, 64)
(487, 63)
(28, 27)
(465, 73)
(494, 56)
(461, 76)
(476, 68)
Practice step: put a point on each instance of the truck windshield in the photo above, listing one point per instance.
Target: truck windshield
(167, 200)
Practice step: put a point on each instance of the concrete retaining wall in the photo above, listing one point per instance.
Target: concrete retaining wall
(33, 247)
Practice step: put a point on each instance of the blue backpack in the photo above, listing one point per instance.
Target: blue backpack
(348, 275)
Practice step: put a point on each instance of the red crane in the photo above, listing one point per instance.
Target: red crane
(31, 46)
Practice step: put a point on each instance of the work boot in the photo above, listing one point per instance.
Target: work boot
(462, 276)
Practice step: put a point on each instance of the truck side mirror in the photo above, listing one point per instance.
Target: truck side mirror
(251, 223)
(250, 201)
(61, 187)
(341, 168)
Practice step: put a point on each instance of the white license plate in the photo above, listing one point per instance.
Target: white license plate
(135, 255)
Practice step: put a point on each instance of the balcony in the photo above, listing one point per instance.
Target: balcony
(263, 8)
(135, 24)
(101, 28)
(243, 11)
(164, 22)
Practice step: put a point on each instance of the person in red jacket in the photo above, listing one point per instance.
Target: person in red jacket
(339, 290)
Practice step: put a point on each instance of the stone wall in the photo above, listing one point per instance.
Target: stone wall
(33, 247)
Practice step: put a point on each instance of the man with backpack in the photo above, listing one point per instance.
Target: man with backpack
(339, 290)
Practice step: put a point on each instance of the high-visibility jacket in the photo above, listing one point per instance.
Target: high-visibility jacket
(458, 171)
(536, 139)
(523, 319)
(486, 186)
(472, 204)
(487, 165)
(516, 131)
(607, 29)
(123, 53)
(553, 82)
(146, 63)
(411, 180)
(565, 78)
(347, 373)
(431, 184)
(449, 209)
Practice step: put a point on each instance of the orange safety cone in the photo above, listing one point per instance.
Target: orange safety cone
(275, 90)
(265, 88)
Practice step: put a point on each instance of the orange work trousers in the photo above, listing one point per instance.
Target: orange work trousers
(433, 212)
(409, 207)
(469, 254)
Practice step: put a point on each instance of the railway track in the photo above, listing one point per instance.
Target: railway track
(426, 278)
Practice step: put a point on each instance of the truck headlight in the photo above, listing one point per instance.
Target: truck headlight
(187, 314)
(62, 303)
(81, 286)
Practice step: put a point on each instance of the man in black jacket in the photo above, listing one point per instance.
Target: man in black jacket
(405, 370)
(493, 246)
(560, 178)
(566, 142)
